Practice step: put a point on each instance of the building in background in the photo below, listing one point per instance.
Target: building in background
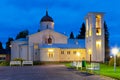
(4, 55)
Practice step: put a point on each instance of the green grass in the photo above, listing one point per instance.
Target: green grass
(105, 70)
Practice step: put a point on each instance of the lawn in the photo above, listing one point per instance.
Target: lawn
(106, 70)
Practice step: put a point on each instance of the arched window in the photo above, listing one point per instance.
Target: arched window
(49, 40)
(98, 25)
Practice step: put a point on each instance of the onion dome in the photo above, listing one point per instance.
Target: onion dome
(47, 18)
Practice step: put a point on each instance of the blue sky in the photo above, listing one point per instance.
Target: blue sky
(68, 15)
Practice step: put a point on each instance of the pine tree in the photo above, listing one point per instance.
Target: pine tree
(71, 35)
(22, 34)
(1, 47)
(107, 48)
(8, 43)
(81, 34)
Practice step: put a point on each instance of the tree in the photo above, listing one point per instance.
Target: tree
(38, 30)
(1, 47)
(71, 35)
(22, 34)
(107, 48)
(8, 43)
(82, 31)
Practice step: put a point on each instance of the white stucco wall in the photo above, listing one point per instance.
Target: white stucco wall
(15, 49)
(41, 36)
(24, 52)
(47, 25)
(72, 56)
(44, 54)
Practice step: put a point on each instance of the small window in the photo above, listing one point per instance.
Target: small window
(68, 52)
(74, 52)
(35, 46)
(62, 52)
(50, 55)
(98, 25)
(49, 40)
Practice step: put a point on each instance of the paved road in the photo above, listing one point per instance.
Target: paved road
(46, 72)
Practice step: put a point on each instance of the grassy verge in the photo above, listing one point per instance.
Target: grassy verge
(105, 70)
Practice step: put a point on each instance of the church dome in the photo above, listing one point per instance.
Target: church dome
(47, 18)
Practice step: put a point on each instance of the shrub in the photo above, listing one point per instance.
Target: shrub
(18, 59)
(111, 62)
(4, 63)
(37, 63)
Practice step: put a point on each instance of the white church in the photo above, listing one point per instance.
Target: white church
(51, 46)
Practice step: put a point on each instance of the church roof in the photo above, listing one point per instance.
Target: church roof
(22, 39)
(77, 41)
(46, 18)
(71, 44)
(62, 46)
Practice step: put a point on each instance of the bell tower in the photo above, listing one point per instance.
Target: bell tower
(95, 46)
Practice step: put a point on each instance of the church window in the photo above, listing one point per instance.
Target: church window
(74, 52)
(90, 30)
(68, 52)
(98, 25)
(35, 46)
(98, 43)
(62, 52)
(49, 40)
(50, 54)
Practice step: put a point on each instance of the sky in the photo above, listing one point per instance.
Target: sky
(68, 15)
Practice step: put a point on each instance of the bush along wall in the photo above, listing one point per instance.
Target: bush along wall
(111, 62)
(4, 63)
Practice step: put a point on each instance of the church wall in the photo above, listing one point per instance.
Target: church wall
(47, 25)
(15, 49)
(49, 54)
(30, 51)
(72, 54)
(24, 52)
(42, 36)
(59, 39)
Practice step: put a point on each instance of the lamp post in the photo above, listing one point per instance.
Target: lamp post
(115, 51)
(89, 52)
